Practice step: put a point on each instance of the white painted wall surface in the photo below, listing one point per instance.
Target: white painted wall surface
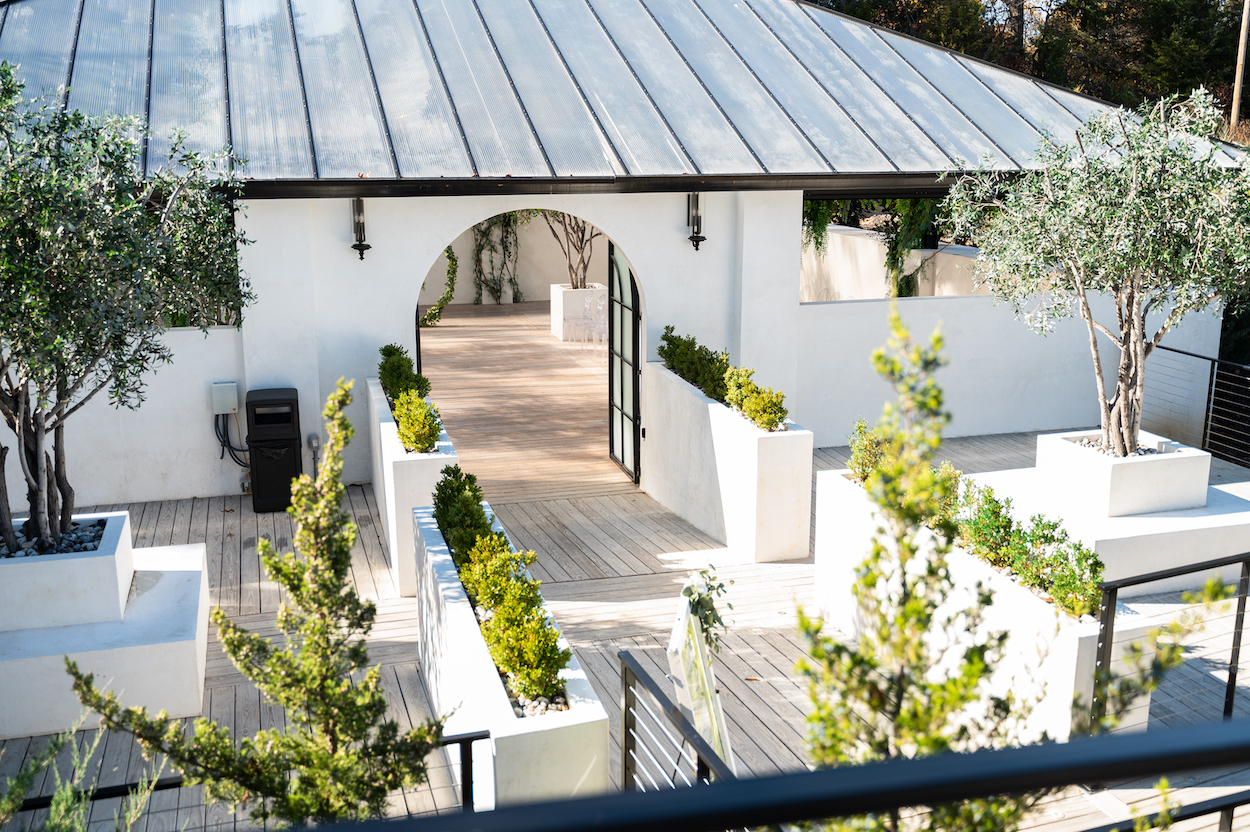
(1000, 376)
(164, 450)
(853, 268)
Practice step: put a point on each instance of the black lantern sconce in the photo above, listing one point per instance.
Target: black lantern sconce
(358, 226)
(694, 219)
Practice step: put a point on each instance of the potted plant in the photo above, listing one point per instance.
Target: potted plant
(1139, 222)
(576, 239)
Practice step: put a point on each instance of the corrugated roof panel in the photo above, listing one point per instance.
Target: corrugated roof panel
(347, 127)
(39, 36)
(900, 138)
(111, 62)
(840, 140)
(424, 131)
(637, 131)
(266, 104)
(994, 117)
(954, 131)
(498, 133)
(188, 79)
(1027, 98)
(704, 131)
(573, 141)
(779, 145)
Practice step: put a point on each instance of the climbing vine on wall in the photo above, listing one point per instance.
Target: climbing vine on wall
(431, 316)
(495, 251)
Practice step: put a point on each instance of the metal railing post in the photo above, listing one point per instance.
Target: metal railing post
(1226, 820)
(1210, 412)
(1235, 658)
(628, 727)
(1106, 634)
(466, 776)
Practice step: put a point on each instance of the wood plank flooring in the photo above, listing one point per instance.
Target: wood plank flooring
(528, 416)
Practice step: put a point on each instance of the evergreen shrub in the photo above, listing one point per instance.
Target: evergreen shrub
(397, 374)
(418, 422)
(712, 373)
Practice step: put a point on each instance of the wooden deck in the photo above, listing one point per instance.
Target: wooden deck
(611, 559)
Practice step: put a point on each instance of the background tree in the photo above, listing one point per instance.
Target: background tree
(1141, 211)
(93, 257)
(576, 239)
(337, 758)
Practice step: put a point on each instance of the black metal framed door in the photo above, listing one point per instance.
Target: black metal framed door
(624, 322)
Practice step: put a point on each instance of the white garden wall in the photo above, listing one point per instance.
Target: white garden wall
(1000, 376)
(852, 267)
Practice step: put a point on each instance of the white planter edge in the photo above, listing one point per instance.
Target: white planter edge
(1045, 646)
(726, 476)
(555, 756)
(1172, 480)
(572, 302)
(401, 481)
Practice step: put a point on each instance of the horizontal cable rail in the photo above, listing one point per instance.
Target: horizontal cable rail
(879, 787)
(465, 741)
(1200, 401)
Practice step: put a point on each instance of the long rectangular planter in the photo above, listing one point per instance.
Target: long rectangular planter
(1049, 654)
(555, 756)
(401, 481)
(733, 480)
(566, 302)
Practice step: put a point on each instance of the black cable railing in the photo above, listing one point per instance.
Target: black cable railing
(1199, 401)
(464, 741)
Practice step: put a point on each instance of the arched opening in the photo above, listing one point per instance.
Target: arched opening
(558, 366)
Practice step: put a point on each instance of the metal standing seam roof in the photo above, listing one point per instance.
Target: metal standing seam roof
(456, 96)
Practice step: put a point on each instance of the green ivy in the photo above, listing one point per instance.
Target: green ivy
(435, 312)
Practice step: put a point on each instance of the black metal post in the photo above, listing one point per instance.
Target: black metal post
(628, 727)
(1230, 692)
(1226, 820)
(466, 773)
(417, 328)
(1106, 635)
(1206, 423)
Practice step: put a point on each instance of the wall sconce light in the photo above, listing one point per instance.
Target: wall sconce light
(358, 226)
(694, 219)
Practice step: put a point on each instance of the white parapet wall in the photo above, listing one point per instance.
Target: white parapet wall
(153, 655)
(1049, 657)
(401, 481)
(555, 756)
(852, 267)
(721, 473)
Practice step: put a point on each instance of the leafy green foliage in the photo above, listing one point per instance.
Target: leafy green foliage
(435, 312)
(418, 422)
(1141, 210)
(696, 364)
(898, 691)
(93, 258)
(819, 214)
(867, 451)
(458, 511)
(712, 373)
(703, 588)
(337, 758)
(397, 374)
(523, 641)
(495, 250)
(71, 803)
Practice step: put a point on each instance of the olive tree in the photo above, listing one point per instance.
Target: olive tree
(1142, 209)
(94, 258)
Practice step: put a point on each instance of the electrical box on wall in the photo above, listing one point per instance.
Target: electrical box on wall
(225, 398)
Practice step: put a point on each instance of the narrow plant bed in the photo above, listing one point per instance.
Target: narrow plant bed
(82, 537)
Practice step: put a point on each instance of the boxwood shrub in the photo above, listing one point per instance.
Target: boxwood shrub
(418, 422)
(712, 373)
(397, 374)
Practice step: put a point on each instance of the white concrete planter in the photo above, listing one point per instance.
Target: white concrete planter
(571, 302)
(136, 618)
(555, 756)
(401, 481)
(71, 588)
(727, 477)
(1118, 486)
(1050, 656)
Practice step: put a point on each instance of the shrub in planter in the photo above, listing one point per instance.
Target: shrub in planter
(417, 421)
(712, 373)
(524, 643)
(458, 512)
(397, 373)
(867, 451)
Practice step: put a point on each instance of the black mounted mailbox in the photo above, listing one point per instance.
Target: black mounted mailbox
(273, 444)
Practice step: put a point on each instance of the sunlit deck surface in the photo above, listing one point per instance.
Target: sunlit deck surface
(528, 416)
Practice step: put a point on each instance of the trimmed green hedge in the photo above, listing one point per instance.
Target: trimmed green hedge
(397, 374)
(1039, 553)
(522, 639)
(418, 422)
(732, 386)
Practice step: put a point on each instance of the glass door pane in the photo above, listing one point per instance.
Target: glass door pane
(623, 329)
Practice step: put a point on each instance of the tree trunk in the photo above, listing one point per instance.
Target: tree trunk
(62, 481)
(1015, 24)
(43, 477)
(6, 515)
